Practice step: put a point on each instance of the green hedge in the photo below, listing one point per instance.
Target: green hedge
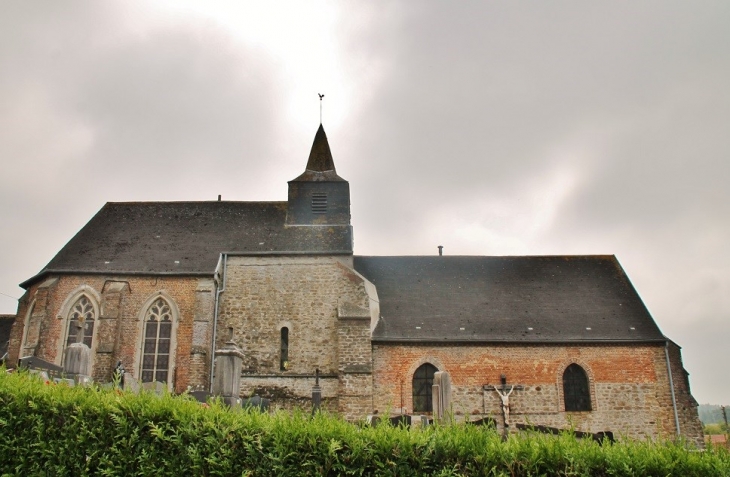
(48, 429)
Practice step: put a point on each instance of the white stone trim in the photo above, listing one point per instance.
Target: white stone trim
(26, 325)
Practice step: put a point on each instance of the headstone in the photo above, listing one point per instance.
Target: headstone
(227, 379)
(262, 404)
(155, 387)
(77, 361)
(403, 420)
(441, 396)
(130, 383)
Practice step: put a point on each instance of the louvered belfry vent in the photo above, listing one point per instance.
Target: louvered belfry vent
(319, 202)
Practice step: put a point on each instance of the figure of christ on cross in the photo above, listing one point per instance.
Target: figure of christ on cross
(505, 404)
(504, 394)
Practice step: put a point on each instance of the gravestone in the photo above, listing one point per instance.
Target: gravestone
(77, 361)
(441, 396)
(155, 387)
(130, 383)
(227, 379)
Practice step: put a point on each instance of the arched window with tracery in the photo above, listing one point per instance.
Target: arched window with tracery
(422, 385)
(576, 389)
(82, 315)
(157, 342)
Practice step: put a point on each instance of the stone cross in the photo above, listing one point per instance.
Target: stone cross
(77, 358)
(504, 391)
(80, 330)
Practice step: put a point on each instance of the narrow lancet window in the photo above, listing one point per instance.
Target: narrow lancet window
(576, 390)
(284, 356)
(157, 342)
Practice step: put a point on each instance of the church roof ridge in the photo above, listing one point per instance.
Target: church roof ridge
(188, 202)
(606, 256)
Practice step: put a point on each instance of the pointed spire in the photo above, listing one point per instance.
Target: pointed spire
(320, 158)
(320, 166)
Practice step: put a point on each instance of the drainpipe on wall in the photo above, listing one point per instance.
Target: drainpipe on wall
(671, 386)
(219, 290)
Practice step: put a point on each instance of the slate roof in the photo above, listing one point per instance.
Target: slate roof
(320, 165)
(498, 299)
(186, 238)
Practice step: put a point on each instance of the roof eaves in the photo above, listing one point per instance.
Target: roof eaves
(513, 341)
(34, 279)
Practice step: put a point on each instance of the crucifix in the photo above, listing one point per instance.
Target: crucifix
(321, 96)
(80, 328)
(504, 391)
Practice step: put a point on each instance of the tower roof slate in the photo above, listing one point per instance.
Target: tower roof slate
(506, 299)
(321, 165)
(187, 237)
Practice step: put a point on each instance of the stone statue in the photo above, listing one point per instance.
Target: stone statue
(505, 403)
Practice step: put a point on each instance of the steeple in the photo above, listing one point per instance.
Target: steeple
(319, 196)
(320, 166)
(320, 157)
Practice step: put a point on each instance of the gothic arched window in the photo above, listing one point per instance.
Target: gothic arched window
(576, 391)
(157, 342)
(284, 356)
(81, 315)
(422, 384)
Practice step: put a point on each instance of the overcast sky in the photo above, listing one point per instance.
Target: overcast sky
(491, 128)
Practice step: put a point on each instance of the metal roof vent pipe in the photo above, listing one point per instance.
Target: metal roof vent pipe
(441, 250)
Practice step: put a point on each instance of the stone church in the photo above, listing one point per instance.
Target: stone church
(160, 286)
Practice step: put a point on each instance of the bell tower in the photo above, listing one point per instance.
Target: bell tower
(319, 196)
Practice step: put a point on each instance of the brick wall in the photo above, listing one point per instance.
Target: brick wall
(120, 302)
(628, 384)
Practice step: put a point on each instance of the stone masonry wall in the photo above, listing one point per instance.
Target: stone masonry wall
(119, 301)
(628, 384)
(689, 422)
(302, 293)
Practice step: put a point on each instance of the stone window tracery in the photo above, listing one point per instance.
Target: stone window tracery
(576, 389)
(422, 385)
(81, 314)
(157, 342)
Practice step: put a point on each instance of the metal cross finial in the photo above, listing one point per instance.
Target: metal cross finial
(320, 107)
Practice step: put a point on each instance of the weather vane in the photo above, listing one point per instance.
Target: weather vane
(320, 107)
